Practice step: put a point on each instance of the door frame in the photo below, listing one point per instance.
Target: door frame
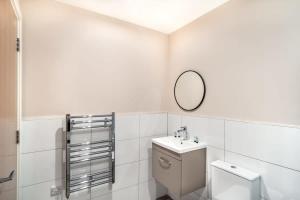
(16, 7)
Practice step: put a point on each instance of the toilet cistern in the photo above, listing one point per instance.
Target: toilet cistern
(231, 182)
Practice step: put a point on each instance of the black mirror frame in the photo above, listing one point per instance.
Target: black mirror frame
(204, 92)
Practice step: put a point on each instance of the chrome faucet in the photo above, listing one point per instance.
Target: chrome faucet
(183, 130)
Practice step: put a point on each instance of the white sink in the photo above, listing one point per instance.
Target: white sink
(175, 144)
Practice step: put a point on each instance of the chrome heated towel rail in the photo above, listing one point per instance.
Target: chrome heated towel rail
(86, 152)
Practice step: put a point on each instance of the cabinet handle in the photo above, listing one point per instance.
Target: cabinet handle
(9, 178)
(164, 163)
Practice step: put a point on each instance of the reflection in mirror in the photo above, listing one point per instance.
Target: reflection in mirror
(189, 90)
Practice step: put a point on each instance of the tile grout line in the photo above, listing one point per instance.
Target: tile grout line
(224, 129)
(147, 181)
(124, 188)
(139, 163)
(41, 151)
(59, 178)
(214, 147)
(263, 123)
(61, 148)
(270, 163)
(239, 120)
(144, 137)
(167, 124)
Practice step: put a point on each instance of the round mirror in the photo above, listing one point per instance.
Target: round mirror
(189, 90)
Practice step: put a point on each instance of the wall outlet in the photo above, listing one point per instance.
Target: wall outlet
(55, 190)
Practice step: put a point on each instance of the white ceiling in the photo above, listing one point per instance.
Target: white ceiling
(162, 15)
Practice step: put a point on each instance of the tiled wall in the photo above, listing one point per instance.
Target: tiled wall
(42, 167)
(263, 148)
(267, 149)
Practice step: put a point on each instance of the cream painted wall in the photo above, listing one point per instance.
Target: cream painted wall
(76, 61)
(80, 62)
(249, 55)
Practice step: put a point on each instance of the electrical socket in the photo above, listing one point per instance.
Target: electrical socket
(55, 190)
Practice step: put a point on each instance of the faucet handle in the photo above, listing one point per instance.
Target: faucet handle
(183, 128)
(196, 139)
(179, 132)
(176, 134)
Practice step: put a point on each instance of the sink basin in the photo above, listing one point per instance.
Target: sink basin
(174, 144)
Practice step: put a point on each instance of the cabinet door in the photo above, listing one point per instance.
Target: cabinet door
(193, 171)
(167, 171)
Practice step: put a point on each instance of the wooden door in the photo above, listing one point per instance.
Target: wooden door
(8, 101)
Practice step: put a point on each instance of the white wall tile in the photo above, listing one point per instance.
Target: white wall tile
(267, 141)
(146, 147)
(126, 176)
(41, 191)
(127, 126)
(41, 166)
(213, 154)
(40, 135)
(208, 130)
(130, 193)
(279, 145)
(127, 151)
(80, 136)
(81, 195)
(145, 170)
(278, 183)
(151, 190)
(99, 134)
(174, 123)
(153, 124)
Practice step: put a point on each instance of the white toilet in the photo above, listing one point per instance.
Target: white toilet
(230, 182)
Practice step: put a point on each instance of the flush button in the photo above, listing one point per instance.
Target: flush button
(233, 167)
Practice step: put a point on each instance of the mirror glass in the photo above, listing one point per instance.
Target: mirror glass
(189, 90)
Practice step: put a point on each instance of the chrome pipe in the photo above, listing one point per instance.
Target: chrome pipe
(90, 154)
(90, 127)
(89, 143)
(89, 116)
(90, 175)
(90, 186)
(86, 152)
(90, 181)
(89, 159)
(90, 121)
(89, 148)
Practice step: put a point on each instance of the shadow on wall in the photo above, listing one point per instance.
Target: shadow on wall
(59, 164)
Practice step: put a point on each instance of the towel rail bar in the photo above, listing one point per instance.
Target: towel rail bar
(87, 152)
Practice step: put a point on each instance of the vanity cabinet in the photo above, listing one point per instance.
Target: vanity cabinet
(180, 173)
